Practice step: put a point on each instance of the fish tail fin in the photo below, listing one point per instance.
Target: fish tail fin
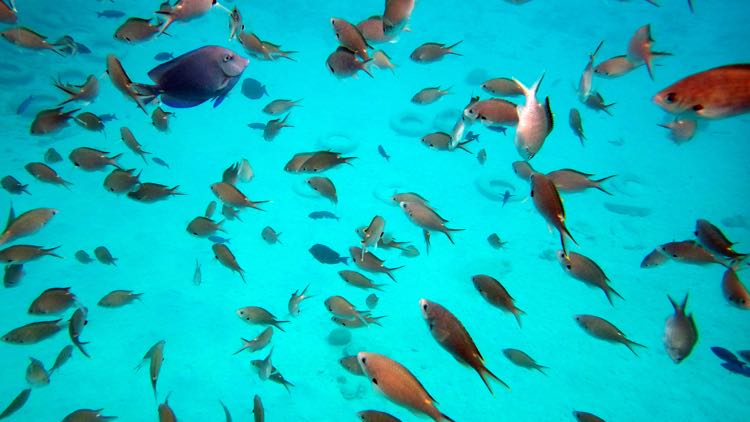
(611, 290)
(446, 417)
(256, 203)
(51, 253)
(166, 23)
(277, 324)
(650, 65)
(630, 344)
(597, 183)
(448, 233)
(389, 270)
(517, 313)
(452, 46)
(366, 67)
(567, 233)
(541, 369)
(484, 372)
(593, 55)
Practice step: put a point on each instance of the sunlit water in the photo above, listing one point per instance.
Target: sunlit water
(705, 178)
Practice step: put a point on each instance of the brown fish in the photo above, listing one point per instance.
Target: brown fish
(323, 160)
(373, 31)
(365, 321)
(258, 315)
(502, 87)
(53, 301)
(376, 416)
(615, 67)
(273, 127)
(122, 82)
(496, 294)
(493, 112)
(204, 227)
(604, 330)
(118, 298)
(399, 385)
(65, 354)
(129, 139)
(230, 195)
(681, 129)
(87, 415)
(34, 332)
(431, 52)
(343, 63)
(396, 15)
(76, 323)
(157, 358)
(259, 342)
(17, 402)
(453, 337)
(13, 186)
(429, 95)
(713, 94)
(227, 259)
(547, 201)
(91, 159)
(571, 181)
(680, 332)
(160, 119)
(259, 414)
(734, 291)
(135, 30)
(90, 121)
(689, 252)
(324, 186)
(150, 353)
(409, 197)
(714, 240)
(351, 364)
(639, 48)
(270, 235)
(277, 107)
(426, 218)
(370, 262)
(295, 299)
(185, 10)
(586, 270)
(351, 37)
(26, 224)
(12, 275)
(36, 373)
(121, 181)
(166, 414)
(574, 119)
(51, 120)
(442, 141)
(523, 170)
(495, 241)
(595, 101)
(359, 280)
(153, 192)
(83, 257)
(85, 92)
(381, 60)
(654, 259)
(104, 256)
(7, 15)
(47, 174)
(27, 38)
(21, 254)
(482, 156)
(340, 307)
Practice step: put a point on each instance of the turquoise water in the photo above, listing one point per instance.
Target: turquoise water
(704, 178)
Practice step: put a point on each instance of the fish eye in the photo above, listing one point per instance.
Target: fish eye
(670, 98)
(568, 266)
(228, 57)
(424, 306)
(364, 360)
(375, 381)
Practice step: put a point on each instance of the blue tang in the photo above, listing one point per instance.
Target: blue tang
(197, 76)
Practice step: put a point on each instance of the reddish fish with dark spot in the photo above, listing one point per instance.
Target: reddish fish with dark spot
(586, 270)
(547, 201)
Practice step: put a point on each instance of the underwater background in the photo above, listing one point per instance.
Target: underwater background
(672, 186)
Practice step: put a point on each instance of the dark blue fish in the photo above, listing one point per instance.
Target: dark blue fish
(163, 56)
(506, 196)
(501, 129)
(471, 136)
(218, 239)
(110, 14)
(197, 76)
(160, 162)
(82, 49)
(253, 89)
(726, 355)
(735, 368)
(24, 104)
(326, 255)
(257, 126)
(383, 154)
(107, 117)
(317, 215)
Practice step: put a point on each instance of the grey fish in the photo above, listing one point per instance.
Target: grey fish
(16, 404)
(107, 117)
(501, 129)
(163, 56)
(680, 332)
(257, 126)
(24, 104)
(326, 255)
(13, 275)
(197, 76)
(160, 162)
(218, 239)
(383, 154)
(110, 14)
(253, 89)
(317, 215)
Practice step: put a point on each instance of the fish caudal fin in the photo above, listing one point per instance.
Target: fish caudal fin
(389, 270)
(630, 344)
(597, 184)
(484, 372)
